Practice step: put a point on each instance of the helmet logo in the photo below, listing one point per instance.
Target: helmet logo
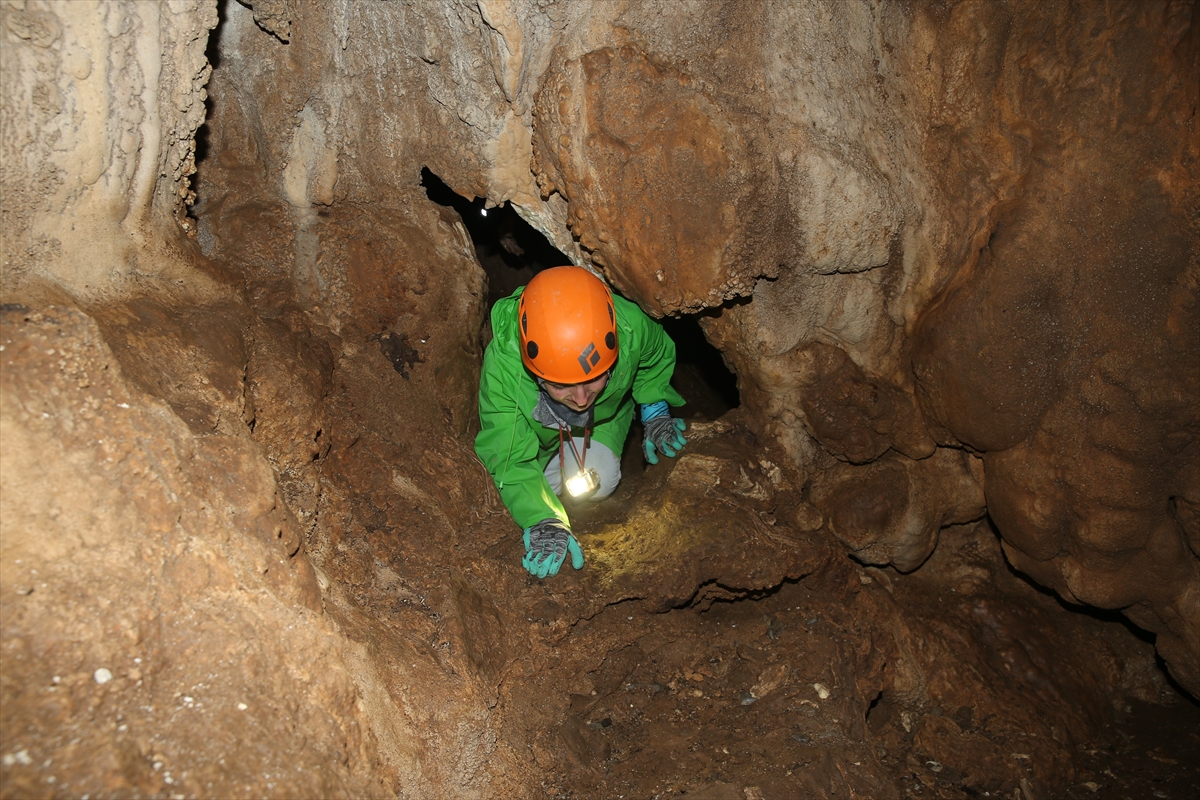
(589, 358)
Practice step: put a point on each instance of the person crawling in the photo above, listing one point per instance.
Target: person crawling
(567, 364)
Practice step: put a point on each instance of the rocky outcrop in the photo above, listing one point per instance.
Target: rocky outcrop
(101, 106)
(131, 551)
(667, 226)
(1068, 351)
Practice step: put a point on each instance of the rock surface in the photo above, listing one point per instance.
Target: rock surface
(169, 561)
(950, 250)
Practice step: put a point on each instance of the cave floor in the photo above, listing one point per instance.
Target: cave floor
(712, 647)
(744, 698)
(718, 643)
(1150, 751)
(677, 727)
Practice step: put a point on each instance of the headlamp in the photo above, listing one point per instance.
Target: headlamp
(586, 481)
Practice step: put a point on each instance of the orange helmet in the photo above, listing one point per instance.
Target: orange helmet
(568, 326)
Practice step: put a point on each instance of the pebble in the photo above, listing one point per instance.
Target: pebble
(821, 690)
(102, 675)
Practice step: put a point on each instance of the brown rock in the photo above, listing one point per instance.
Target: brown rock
(673, 159)
(890, 511)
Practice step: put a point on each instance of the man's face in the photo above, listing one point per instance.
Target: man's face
(577, 396)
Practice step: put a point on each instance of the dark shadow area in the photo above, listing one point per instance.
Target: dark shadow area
(701, 375)
(733, 595)
(510, 250)
(1193, 702)
(1100, 614)
(1112, 616)
(213, 53)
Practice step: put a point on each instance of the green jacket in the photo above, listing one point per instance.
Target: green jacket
(516, 448)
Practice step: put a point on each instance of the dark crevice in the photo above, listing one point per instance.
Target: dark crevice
(871, 706)
(615, 604)
(510, 250)
(1194, 702)
(710, 593)
(701, 375)
(1099, 614)
(1114, 616)
(213, 53)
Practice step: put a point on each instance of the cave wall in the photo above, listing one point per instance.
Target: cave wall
(158, 612)
(101, 105)
(962, 228)
(167, 622)
(950, 251)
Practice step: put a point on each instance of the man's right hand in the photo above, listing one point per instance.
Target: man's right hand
(546, 546)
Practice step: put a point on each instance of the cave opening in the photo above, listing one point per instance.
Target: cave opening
(701, 374)
(511, 252)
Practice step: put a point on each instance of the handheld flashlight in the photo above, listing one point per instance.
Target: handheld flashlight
(587, 480)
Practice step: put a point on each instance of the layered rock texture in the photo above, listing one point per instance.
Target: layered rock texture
(950, 250)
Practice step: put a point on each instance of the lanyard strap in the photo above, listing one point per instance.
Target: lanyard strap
(562, 464)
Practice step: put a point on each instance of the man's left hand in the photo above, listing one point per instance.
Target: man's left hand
(663, 433)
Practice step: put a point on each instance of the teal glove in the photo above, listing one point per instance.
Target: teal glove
(662, 432)
(546, 546)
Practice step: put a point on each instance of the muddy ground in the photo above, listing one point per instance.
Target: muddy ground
(719, 643)
(761, 694)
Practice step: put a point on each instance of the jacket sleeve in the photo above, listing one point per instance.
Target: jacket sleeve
(508, 447)
(656, 364)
